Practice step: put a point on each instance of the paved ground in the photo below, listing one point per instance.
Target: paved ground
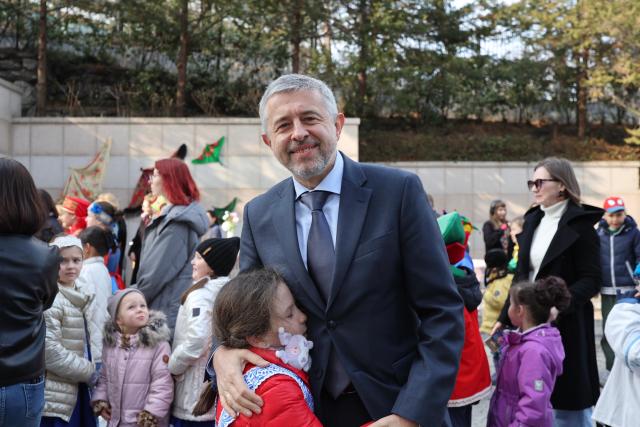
(480, 410)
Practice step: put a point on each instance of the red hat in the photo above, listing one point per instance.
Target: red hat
(75, 206)
(613, 204)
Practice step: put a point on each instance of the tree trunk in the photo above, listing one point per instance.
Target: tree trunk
(363, 56)
(183, 55)
(582, 95)
(41, 87)
(296, 36)
(326, 42)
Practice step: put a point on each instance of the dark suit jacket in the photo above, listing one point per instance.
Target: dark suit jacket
(394, 314)
(573, 255)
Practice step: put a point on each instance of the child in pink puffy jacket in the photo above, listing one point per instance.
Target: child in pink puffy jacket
(135, 387)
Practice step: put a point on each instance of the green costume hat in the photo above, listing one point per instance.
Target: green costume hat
(454, 237)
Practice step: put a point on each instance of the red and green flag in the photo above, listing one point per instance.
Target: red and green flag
(210, 154)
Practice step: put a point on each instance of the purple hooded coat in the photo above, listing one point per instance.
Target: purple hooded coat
(530, 364)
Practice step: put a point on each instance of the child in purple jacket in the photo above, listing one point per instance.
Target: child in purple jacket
(135, 388)
(532, 356)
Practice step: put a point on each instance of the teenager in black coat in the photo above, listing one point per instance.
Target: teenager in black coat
(565, 245)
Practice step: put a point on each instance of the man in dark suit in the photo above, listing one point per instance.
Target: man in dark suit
(361, 252)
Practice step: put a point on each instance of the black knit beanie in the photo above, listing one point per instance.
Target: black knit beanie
(220, 254)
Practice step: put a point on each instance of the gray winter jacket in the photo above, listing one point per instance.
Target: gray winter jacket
(64, 351)
(165, 269)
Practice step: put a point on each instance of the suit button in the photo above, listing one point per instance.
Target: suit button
(331, 324)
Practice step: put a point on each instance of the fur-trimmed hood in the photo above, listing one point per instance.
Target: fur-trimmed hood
(155, 332)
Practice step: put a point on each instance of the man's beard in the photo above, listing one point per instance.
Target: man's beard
(309, 169)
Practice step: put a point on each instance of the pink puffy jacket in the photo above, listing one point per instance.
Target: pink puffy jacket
(136, 378)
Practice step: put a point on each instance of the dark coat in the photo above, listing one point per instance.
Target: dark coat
(28, 286)
(626, 247)
(394, 316)
(492, 236)
(573, 255)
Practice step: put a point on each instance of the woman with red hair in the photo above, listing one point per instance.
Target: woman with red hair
(171, 238)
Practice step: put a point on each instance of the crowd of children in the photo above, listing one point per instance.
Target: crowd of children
(529, 359)
(108, 355)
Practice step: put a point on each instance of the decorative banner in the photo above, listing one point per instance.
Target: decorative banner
(86, 182)
(143, 187)
(210, 154)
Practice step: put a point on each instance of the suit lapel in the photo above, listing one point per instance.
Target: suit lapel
(284, 222)
(354, 202)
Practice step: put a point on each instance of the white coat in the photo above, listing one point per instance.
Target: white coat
(94, 279)
(191, 345)
(620, 399)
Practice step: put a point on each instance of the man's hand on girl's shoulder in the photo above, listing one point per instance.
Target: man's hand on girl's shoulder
(235, 397)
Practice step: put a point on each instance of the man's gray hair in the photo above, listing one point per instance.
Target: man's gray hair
(295, 83)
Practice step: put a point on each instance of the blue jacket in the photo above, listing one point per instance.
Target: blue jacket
(615, 249)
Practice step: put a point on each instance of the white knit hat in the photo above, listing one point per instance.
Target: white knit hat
(66, 241)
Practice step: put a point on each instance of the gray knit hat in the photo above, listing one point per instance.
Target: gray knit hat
(114, 301)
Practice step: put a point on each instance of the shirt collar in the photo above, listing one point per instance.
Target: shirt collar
(331, 183)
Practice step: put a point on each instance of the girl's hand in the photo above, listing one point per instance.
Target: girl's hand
(495, 328)
(102, 408)
(106, 414)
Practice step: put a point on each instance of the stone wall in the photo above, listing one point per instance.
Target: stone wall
(50, 146)
(10, 96)
(469, 187)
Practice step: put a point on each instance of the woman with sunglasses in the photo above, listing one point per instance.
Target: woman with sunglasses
(559, 239)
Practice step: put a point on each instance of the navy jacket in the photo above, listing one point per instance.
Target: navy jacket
(616, 249)
(394, 314)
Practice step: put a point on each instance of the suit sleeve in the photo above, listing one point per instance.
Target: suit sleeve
(163, 261)
(438, 306)
(248, 254)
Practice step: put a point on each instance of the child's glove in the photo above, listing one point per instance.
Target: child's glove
(145, 419)
(636, 272)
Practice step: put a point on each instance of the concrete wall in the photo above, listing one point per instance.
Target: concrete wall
(10, 96)
(469, 187)
(49, 146)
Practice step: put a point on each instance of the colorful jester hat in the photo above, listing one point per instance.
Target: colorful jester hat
(455, 230)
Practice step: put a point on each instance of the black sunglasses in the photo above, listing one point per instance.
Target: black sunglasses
(537, 183)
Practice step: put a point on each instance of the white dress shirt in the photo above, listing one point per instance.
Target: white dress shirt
(331, 183)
